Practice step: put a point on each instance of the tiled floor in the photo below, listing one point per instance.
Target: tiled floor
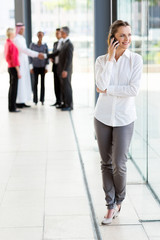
(42, 190)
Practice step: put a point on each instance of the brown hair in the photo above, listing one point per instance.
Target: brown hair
(114, 28)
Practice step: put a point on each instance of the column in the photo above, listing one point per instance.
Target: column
(102, 21)
(23, 14)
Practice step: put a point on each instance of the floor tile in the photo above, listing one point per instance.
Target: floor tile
(21, 233)
(62, 155)
(70, 176)
(154, 238)
(2, 191)
(68, 227)
(152, 229)
(63, 189)
(7, 157)
(62, 206)
(146, 206)
(65, 164)
(28, 171)
(131, 232)
(22, 209)
(31, 158)
(25, 184)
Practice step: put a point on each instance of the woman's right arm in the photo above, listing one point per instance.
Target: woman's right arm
(18, 71)
(15, 55)
(103, 70)
(103, 73)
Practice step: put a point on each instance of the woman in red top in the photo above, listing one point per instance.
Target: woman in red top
(11, 55)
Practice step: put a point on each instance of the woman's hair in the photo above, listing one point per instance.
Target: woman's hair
(114, 28)
(40, 32)
(9, 31)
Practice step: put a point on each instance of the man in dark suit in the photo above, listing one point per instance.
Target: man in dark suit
(57, 86)
(65, 69)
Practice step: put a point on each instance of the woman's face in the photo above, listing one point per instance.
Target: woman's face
(123, 36)
(40, 35)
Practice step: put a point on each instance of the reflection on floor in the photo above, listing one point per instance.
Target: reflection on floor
(42, 190)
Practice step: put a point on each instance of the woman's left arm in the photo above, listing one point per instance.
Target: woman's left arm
(132, 89)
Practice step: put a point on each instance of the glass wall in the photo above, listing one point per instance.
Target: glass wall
(154, 94)
(144, 17)
(78, 15)
(6, 20)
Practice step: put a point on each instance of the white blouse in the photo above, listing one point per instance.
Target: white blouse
(121, 78)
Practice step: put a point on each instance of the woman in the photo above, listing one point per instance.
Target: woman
(39, 67)
(11, 55)
(118, 75)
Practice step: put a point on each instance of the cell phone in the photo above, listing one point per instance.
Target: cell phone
(113, 40)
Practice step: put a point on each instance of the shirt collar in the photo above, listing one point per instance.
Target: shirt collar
(127, 53)
(60, 40)
(19, 35)
(64, 40)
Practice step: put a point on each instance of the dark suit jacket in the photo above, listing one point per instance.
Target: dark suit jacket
(55, 44)
(65, 58)
(52, 55)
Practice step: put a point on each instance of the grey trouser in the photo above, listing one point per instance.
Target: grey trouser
(113, 145)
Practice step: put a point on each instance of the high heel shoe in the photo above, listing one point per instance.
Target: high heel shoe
(107, 221)
(118, 212)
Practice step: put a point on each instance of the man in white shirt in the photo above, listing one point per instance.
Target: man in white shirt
(24, 84)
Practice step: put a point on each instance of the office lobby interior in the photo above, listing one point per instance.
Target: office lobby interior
(50, 175)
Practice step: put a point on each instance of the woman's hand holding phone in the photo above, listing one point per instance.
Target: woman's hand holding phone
(112, 48)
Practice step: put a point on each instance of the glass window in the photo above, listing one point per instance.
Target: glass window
(145, 151)
(154, 95)
(136, 10)
(78, 15)
(6, 20)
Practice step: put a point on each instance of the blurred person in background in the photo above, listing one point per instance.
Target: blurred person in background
(57, 86)
(65, 69)
(39, 67)
(24, 86)
(12, 58)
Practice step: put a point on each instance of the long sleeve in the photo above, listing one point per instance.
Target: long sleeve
(14, 55)
(52, 55)
(68, 58)
(21, 45)
(121, 79)
(54, 48)
(132, 88)
(11, 54)
(30, 58)
(103, 73)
